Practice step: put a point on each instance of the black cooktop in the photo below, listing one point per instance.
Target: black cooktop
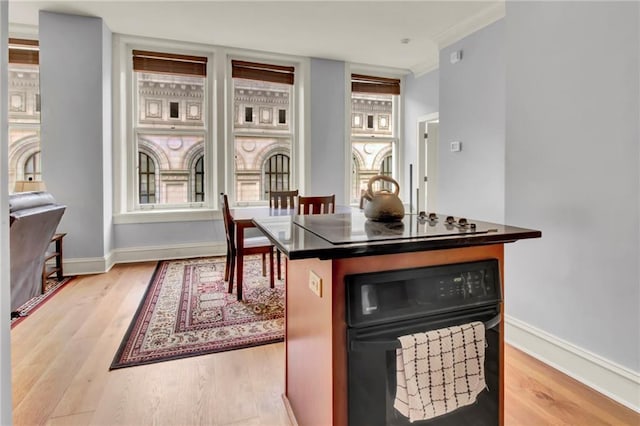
(350, 228)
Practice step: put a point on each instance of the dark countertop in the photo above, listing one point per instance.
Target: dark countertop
(351, 235)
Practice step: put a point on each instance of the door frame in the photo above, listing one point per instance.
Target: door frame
(429, 187)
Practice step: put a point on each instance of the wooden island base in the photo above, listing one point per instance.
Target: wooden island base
(316, 353)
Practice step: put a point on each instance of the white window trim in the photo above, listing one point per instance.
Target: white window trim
(126, 206)
(299, 141)
(397, 148)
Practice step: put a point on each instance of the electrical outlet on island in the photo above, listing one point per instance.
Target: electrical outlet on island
(315, 283)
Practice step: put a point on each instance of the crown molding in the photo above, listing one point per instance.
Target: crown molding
(423, 68)
(378, 70)
(23, 30)
(470, 25)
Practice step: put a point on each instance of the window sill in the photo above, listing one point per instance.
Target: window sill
(157, 216)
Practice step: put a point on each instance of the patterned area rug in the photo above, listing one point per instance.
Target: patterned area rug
(187, 311)
(51, 287)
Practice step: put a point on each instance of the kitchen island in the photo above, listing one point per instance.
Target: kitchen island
(323, 250)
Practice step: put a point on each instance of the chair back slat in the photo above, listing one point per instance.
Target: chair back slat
(317, 205)
(228, 222)
(282, 199)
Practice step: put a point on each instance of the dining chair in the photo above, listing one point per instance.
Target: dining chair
(252, 245)
(317, 204)
(282, 200)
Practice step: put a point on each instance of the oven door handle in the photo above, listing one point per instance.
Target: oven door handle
(387, 344)
(493, 322)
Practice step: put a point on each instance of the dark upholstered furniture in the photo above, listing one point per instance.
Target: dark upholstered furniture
(33, 218)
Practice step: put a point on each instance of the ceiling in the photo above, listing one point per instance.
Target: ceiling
(361, 32)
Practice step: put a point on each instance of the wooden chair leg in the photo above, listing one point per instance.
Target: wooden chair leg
(232, 265)
(226, 266)
(271, 268)
(278, 260)
(238, 283)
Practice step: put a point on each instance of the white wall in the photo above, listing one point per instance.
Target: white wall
(420, 97)
(107, 142)
(165, 234)
(75, 123)
(328, 132)
(572, 172)
(5, 287)
(472, 111)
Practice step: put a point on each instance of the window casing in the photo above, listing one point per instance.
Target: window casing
(374, 136)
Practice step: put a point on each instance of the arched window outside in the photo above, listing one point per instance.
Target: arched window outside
(276, 174)
(199, 179)
(385, 166)
(386, 170)
(146, 179)
(32, 169)
(355, 180)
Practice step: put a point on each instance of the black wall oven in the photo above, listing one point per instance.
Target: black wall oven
(386, 305)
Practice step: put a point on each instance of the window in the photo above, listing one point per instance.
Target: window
(276, 174)
(147, 179)
(262, 147)
(385, 166)
(386, 169)
(174, 110)
(202, 145)
(372, 142)
(248, 115)
(32, 167)
(369, 121)
(199, 179)
(23, 79)
(165, 139)
(355, 173)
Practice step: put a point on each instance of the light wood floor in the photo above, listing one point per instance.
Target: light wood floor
(62, 352)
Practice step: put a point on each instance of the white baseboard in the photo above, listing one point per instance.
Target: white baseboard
(87, 265)
(608, 378)
(98, 265)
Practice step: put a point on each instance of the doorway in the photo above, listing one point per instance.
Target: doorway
(427, 143)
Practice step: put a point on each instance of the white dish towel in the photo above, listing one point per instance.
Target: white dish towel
(440, 370)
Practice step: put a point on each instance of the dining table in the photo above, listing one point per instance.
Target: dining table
(243, 219)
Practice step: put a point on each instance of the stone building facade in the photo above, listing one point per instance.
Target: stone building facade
(262, 129)
(24, 123)
(371, 139)
(170, 132)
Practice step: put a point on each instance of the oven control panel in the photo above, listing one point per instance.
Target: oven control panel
(411, 293)
(467, 285)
